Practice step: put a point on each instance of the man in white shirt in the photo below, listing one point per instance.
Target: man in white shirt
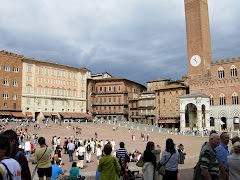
(113, 144)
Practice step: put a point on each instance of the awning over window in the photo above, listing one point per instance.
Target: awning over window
(54, 113)
(29, 114)
(65, 115)
(75, 115)
(5, 113)
(85, 115)
(18, 114)
(46, 113)
(168, 121)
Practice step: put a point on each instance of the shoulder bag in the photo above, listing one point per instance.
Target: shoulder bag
(34, 171)
(140, 162)
(161, 167)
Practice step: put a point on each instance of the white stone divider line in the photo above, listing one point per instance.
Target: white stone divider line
(193, 156)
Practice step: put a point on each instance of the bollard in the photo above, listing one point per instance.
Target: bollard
(230, 135)
(159, 130)
(131, 127)
(145, 128)
(152, 129)
(202, 134)
(168, 131)
(193, 134)
(119, 124)
(137, 128)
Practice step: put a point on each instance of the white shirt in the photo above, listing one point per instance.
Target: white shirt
(13, 166)
(27, 146)
(81, 151)
(99, 151)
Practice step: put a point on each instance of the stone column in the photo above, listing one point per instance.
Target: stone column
(182, 120)
(207, 119)
(199, 119)
(157, 152)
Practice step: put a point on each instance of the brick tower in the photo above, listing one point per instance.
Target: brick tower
(198, 38)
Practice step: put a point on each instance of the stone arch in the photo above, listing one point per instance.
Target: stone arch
(235, 113)
(222, 113)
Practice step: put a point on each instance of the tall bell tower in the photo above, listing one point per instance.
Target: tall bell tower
(198, 38)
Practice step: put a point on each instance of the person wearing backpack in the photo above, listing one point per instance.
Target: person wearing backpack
(18, 154)
(10, 169)
(88, 152)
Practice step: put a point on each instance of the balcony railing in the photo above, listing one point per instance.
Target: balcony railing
(110, 104)
(109, 92)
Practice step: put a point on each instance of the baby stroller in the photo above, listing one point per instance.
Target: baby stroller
(125, 173)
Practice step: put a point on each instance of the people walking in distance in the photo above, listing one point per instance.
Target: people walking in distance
(234, 162)
(18, 154)
(10, 169)
(27, 148)
(147, 136)
(70, 148)
(149, 162)
(81, 151)
(207, 166)
(170, 157)
(222, 154)
(88, 151)
(42, 157)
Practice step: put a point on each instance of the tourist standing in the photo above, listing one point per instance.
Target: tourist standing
(149, 162)
(27, 148)
(42, 157)
(207, 166)
(234, 162)
(170, 157)
(108, 165)
(222, 154)
(70, 148)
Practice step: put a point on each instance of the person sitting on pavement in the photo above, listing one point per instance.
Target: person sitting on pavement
(57, 169)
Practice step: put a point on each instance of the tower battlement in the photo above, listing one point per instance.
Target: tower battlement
(10, 53)
(225, 61)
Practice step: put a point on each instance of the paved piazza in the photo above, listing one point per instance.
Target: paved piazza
(105, 132)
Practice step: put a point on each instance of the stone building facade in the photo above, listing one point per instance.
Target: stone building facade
(214, 85)
(109, 97)
(10, 84)
(51, 90)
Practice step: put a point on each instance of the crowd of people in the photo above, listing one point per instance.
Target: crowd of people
(216, 161)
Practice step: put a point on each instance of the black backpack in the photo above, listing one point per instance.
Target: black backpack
(88, 147)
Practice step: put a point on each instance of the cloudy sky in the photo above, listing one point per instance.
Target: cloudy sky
(140, 40)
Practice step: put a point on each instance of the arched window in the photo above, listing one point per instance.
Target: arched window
(234, 98)
(233, 71)
(69, 92)
(46, 90)
(222, 99)
(211, 100)
(63, 92)
(52, 91)
(220, 72)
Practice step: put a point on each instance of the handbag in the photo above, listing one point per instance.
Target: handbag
(161, 167)
(34, 171)
(140, 162)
